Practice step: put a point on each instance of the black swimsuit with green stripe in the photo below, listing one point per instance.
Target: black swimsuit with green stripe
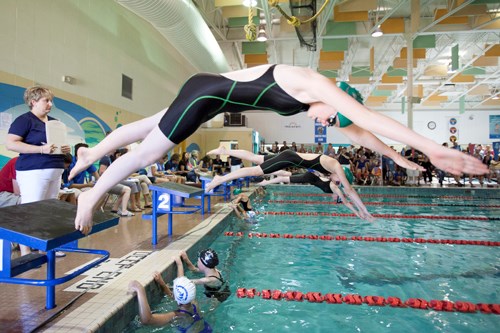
(205, 95)
(289, 158)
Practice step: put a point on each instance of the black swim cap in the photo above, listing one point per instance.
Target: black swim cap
(209, 258)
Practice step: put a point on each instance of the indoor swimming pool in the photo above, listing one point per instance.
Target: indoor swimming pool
(424, 245)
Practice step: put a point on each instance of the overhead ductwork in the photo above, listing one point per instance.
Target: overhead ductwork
(182, 25)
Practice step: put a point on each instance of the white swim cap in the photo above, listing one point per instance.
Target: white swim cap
(251, 214)
(184, 290)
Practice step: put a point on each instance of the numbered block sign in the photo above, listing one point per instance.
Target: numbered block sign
(163, 204)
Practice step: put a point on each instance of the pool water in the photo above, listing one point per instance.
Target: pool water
(405, 270)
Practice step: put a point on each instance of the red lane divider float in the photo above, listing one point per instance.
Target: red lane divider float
(363, 238)
(366, 195)
(310, 202)
(388, 216)
(354, 299)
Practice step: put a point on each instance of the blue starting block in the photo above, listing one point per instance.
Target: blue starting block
(223, 190)
(167, 197)
(48, 226)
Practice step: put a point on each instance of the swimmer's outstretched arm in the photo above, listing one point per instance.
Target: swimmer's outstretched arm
(237, 211)
(361, 211)
(166, 290)
(319, 88)
(367, 139)
(188, 262)
(180, 266)
(346, 203)
(148, 318)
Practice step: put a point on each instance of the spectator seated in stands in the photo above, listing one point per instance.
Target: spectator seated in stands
(9, 190)
(123, 192)
(376, 174)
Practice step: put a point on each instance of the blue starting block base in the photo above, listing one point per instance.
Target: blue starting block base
(47, 226)
(167, 197)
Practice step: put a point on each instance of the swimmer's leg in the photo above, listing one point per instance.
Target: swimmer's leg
(275, 180)
(150, 150)
(240, 173)
(239, 153)
(120, 137)
(281, 173)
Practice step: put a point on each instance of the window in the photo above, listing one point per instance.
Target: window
(127, 86)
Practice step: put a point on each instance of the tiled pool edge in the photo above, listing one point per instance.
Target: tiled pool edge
(113, 308)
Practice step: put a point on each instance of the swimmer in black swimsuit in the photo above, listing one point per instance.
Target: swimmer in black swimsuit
(325, 185)
(215, 284)
(243, 207)
(324, 164)
(284, 89)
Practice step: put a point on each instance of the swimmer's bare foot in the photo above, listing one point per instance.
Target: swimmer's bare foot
(282, 173)
(213, 184)
(219, 151)
(84, 213)
(83, 161)
(263, 183)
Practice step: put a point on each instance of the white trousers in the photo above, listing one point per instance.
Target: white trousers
(39, 184)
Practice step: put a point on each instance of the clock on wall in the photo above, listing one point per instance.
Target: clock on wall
(431, 125)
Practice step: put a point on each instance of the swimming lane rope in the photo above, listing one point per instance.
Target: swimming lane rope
(354, 299)
(311, 202)
(372, 195)
(389, 216)
(364, 238)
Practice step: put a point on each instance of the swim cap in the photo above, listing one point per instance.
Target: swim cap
(251, 214)
(236, 191)
(348, 175)
(209, 258)
(184, 290)
(353, 92)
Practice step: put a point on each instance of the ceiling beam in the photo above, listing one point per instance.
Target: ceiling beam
(483, 81)
(448, 80)
(386, 16)
(445, 16)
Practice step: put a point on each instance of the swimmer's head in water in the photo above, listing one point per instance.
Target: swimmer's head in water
(251, 214)
(184, 290)
(209, 258)
(236, 191)
(348, 175)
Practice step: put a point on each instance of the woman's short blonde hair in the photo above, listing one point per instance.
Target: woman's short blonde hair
(35, 93)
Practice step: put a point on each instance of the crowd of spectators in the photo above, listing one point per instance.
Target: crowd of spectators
(369, 168)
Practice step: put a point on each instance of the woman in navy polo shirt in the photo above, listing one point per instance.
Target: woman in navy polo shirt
(38, 170)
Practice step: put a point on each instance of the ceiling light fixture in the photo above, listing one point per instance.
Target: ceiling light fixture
(249, 3)
(377, 32)
(262, 36)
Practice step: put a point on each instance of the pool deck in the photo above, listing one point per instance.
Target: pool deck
(110, 307)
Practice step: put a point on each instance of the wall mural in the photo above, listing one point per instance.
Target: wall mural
(82, 124)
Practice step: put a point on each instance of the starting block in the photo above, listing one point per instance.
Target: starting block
(47, 226)
(166, 197)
